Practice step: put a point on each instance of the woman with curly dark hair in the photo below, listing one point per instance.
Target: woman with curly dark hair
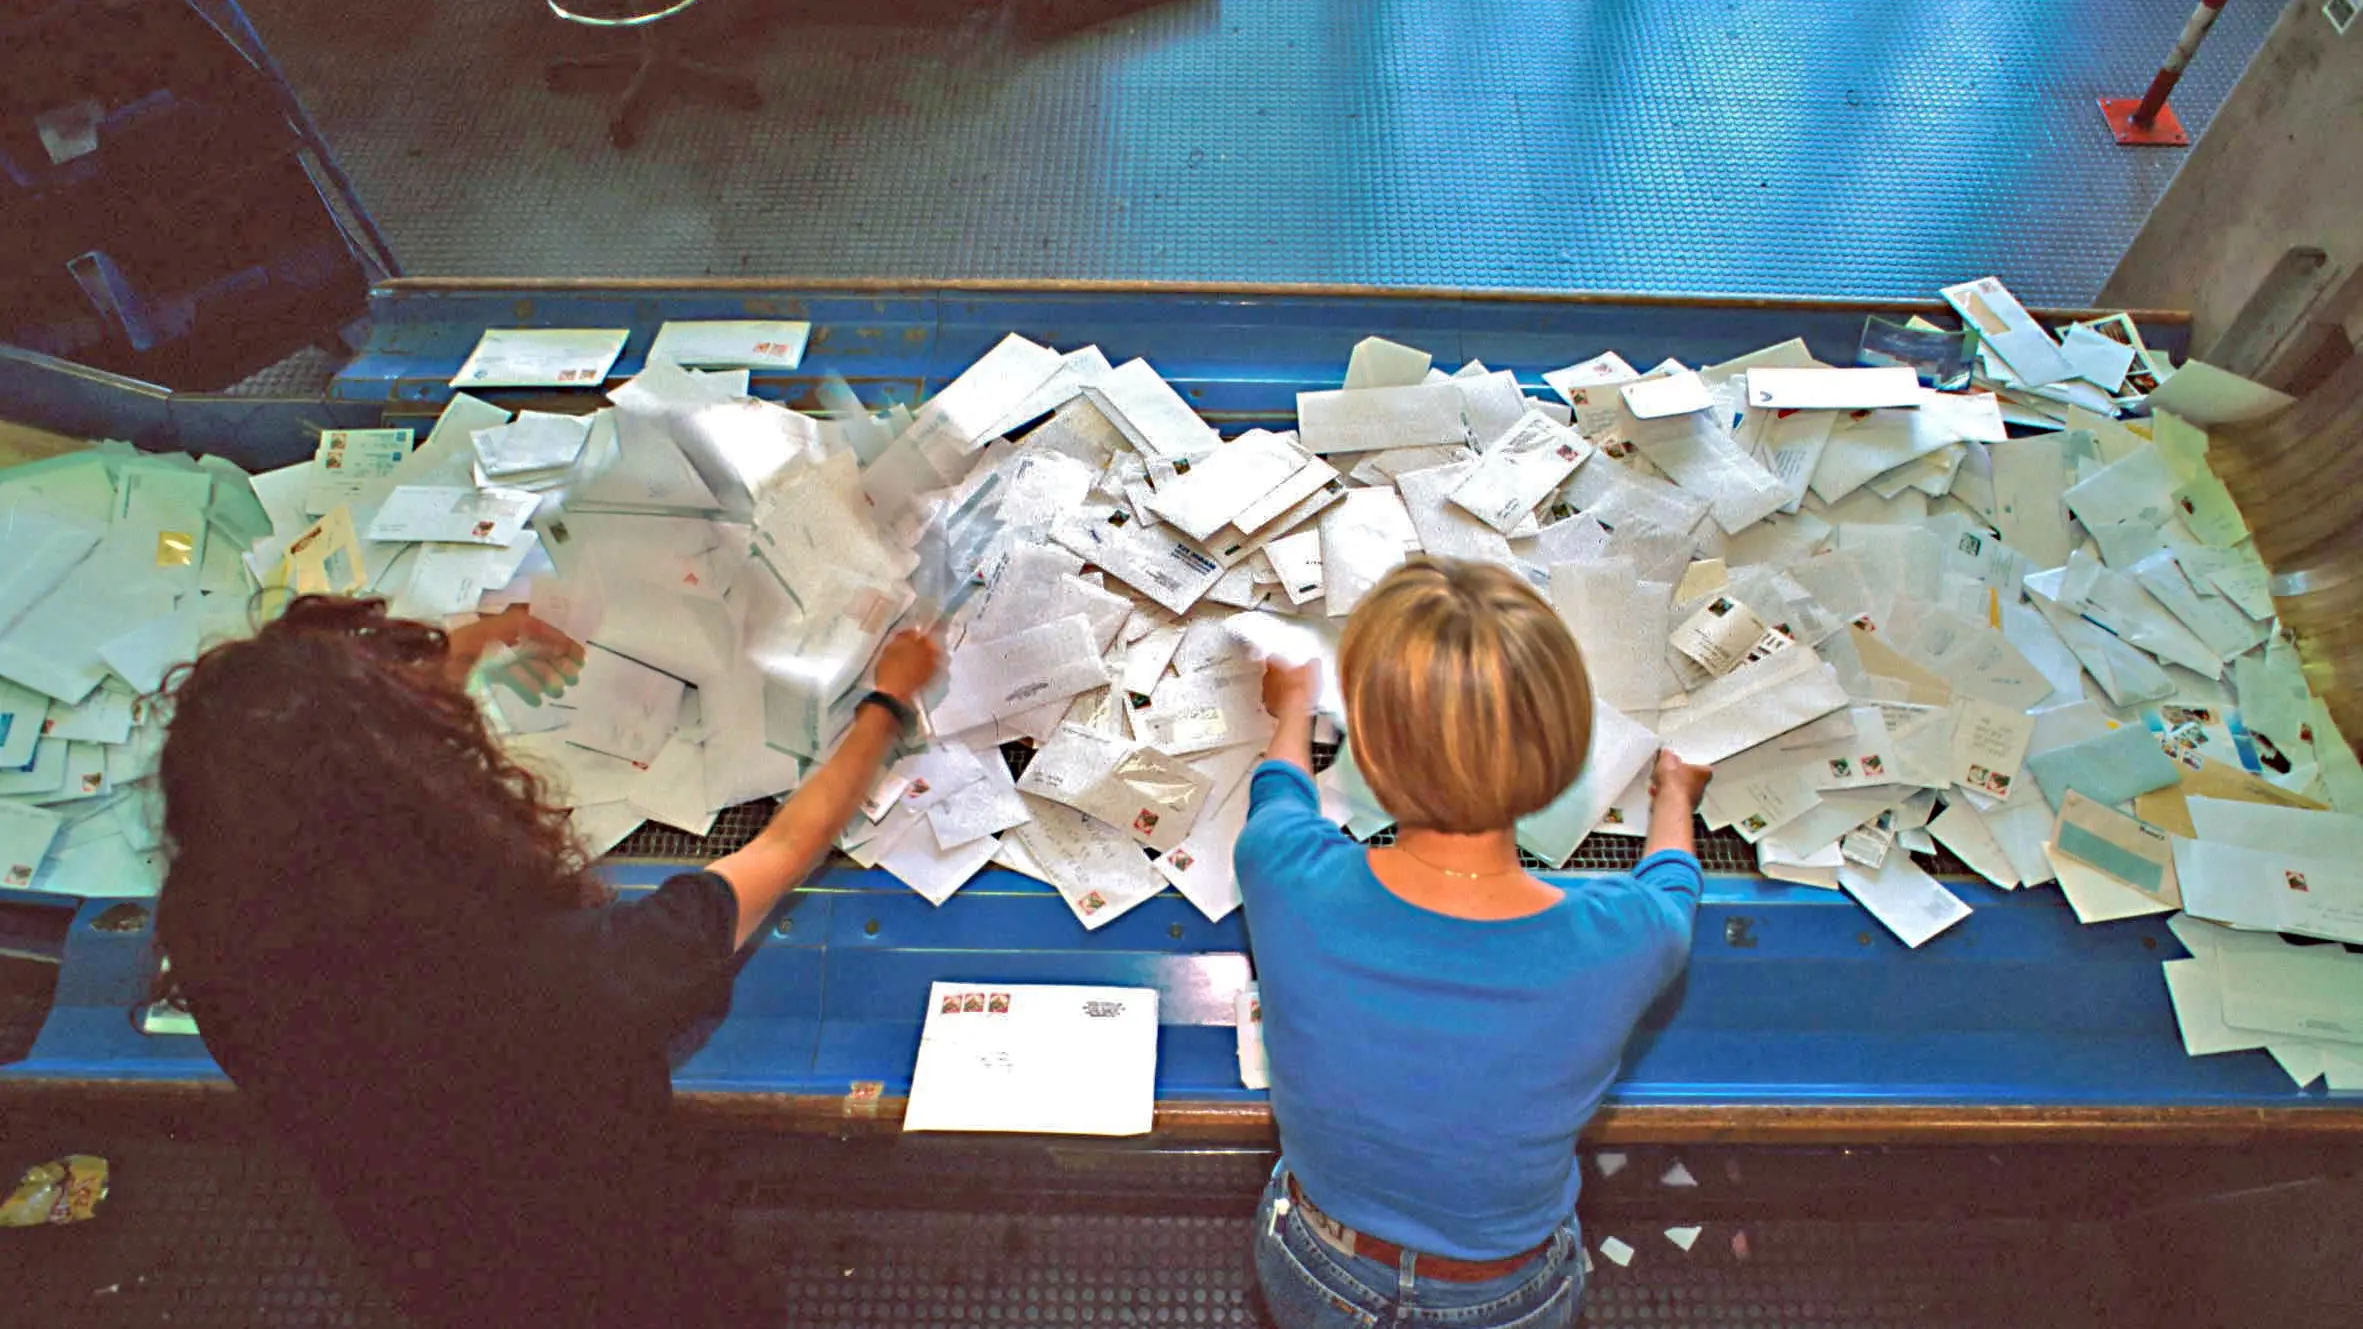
(394, 945)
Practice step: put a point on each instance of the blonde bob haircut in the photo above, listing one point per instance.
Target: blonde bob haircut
(1467, 705)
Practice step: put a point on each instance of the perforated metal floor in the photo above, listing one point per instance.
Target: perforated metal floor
(1748, 146)
(206, 1235)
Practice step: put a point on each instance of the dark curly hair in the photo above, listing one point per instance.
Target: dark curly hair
(327, 778)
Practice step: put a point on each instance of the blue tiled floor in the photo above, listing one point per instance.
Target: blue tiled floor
(1747, 146)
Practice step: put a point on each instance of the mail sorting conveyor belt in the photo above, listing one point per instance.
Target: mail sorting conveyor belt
(1798, 1019)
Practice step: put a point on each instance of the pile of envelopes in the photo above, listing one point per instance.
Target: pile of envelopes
(1953, 593)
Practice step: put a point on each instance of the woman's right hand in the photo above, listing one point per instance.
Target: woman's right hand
(1675, 778)
(1290, 690)
(910, 662)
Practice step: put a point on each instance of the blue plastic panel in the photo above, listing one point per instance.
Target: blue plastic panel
(1237, 355)
(1793, 997)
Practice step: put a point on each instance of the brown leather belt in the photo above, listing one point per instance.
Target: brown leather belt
(1442, 1268)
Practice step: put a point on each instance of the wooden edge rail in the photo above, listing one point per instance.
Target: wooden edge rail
(1187, 1122)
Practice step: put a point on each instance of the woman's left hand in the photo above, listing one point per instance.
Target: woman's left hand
(546, 660)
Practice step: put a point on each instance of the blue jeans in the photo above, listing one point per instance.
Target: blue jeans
(1311, 1284)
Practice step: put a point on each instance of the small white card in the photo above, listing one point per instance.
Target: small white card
(1671, 394)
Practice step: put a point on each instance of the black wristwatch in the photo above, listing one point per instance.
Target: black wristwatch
(904, 717)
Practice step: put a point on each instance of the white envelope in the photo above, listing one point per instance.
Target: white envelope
(1621, 752)
(1619, 623)
(1784, 389)
(1492, 404)
(1100, 876)
(54, 646)
(2120, 604)
(916, 858)
(2128, 676)
(2313, 992)
(143, 656)
(1228, 481)
(1793, 446)
(1446, 529)
(1166, 566)
(1504, 486)
(1146, 409)
(2030, 481)
(1697, 452)
(1296, 560)
(673, 789)
(534, 441)
(1962, 829)
(731, 343)
(461, 516)
(1204, 710)
(1869, 445)
(689, 636)
(1907, 901)
(2100, 360)
(2221, 625)
(2196, 990)
(451, 579)
(621, 707)
(2137, 488)
(1750, 704)
(105, 716)
(1200, 866)
(347, 463)
(1365, 536)
(988, 681)
(1378, 419)
(26, 833)
(1616, 496)
(1140, 791)
(2275, 890)
(980, 809)
(1036, 1059)
(541, 358)
(1608, 368)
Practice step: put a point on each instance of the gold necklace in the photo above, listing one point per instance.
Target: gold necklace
(1456, 872)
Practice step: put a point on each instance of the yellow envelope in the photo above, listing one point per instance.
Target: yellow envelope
(327, 559)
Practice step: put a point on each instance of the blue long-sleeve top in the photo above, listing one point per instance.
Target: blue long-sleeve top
(1430, 1074)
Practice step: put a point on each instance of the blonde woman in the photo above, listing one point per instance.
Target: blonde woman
(1441, 1023)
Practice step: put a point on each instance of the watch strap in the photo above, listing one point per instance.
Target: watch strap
(904, 716)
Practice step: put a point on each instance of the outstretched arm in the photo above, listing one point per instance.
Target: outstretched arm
(1674, 789)
(1288, 695)
(785, 853)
